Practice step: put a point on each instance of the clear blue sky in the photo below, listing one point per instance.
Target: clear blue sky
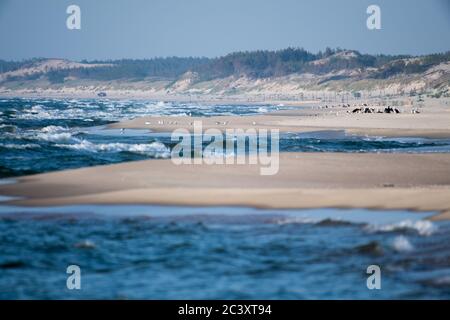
(113, 29)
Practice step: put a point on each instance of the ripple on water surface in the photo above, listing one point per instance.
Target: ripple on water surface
(220, 252)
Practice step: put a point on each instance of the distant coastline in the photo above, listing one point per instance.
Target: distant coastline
(290, 74)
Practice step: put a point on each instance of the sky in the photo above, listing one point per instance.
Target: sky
(115, 29)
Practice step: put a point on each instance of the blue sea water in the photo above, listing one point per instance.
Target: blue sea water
(151, 252)
(156, 252)
(38, 135)
(41, 135)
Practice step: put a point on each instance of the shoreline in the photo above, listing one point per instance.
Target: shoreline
(180, 98)
(417, 182)
(433, 122)
(411, 181)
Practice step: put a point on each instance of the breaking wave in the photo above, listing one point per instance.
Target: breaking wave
(327, 222)
(154, 149)
(422, 227)
(19, 146)
(402, 244)
(295, 220)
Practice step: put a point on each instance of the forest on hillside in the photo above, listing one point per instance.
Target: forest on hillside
(254, 64)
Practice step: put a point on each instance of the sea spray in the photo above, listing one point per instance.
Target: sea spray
(422, 227)
(402, 244)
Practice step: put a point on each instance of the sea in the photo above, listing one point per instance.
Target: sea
(170, 252)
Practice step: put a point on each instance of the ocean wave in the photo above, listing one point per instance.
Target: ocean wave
(163, 104)
(154, 149)
(8, 128)
(443, 281)
(334, 223)
(327, 222)
(295, 220)
(54, 129)
(35, 112)
(371, 248)
(85, 244)
(422, 227)
(262, 110)
(402, 244)
(19, 146)
(47, 134)
(56, 137)
(308, 220)
(79, 111)
(55, 134)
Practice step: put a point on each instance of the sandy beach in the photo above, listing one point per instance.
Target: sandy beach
(433, 121)
(305, 180)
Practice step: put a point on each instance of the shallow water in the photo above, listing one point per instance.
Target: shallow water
(221, 253)
(39, 135)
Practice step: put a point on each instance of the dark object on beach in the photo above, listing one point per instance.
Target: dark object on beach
(101, 94)
(388, 185)
(388, 110)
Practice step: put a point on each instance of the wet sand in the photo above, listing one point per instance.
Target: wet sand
(305, 180)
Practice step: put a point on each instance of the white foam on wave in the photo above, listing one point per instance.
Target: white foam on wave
(422, 227)
(78, 111)
(402, 244)
(48, 134)
(154, 149)
(35, 112)
(9, 126)
(162, 104)
(19, 146)
(262, 110)
(119, 110)
(443, 281)
(56, 137)
(53, 129)
(56, 134)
